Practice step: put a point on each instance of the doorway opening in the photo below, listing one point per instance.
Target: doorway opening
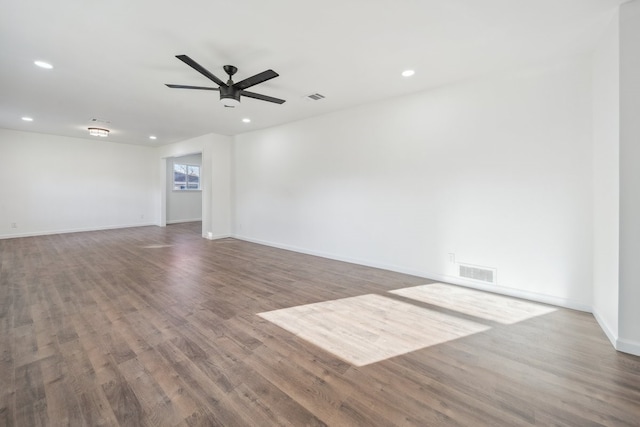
(183, 189)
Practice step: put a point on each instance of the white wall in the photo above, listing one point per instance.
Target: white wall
(215, 180)
(183, 206)
(55, 184)
(496, 170)
(606, 136)
(629, 290)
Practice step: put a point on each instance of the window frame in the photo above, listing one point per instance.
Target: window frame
(187, 166)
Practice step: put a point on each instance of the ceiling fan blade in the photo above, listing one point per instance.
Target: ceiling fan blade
(262, 97)
(191, 87)
(199, 68)
(254, 80)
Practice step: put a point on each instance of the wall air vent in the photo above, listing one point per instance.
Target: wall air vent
(315, 97)
(481, 274)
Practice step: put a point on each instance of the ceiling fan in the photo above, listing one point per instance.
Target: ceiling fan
(230, 92)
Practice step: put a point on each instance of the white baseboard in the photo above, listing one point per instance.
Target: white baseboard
(620, 344)
(532, 296)
(180, 221)
(606, 329)
(215, 237)
(517, 293)
(628, 346)
(74, 230)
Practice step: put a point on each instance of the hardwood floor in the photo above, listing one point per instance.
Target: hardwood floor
(156, 326)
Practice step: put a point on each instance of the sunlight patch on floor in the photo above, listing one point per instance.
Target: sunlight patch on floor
(369, 328)
(484, 305)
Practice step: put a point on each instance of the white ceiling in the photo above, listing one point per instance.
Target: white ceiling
(112, 58)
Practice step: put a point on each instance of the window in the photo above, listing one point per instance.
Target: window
(186, 177)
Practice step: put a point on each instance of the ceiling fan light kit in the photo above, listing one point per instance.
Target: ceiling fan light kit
(230, 92)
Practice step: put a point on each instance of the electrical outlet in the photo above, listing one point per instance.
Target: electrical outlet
(452, 257)
(14, 225)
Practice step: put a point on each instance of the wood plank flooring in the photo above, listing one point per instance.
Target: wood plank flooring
(156, 326)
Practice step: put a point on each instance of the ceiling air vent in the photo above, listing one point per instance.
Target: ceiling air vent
(481, 274)
(315, 97)
(95, 120)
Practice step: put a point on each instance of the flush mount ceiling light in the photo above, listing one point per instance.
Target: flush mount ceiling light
(408, 73)
(153, 137)
(27, 119)
(247, 120)
(98, 132)
(43, 64)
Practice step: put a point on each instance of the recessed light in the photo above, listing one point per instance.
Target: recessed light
(408, 73)
(43, 64)
(27, 119)
(153, 137)
(246, 120)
